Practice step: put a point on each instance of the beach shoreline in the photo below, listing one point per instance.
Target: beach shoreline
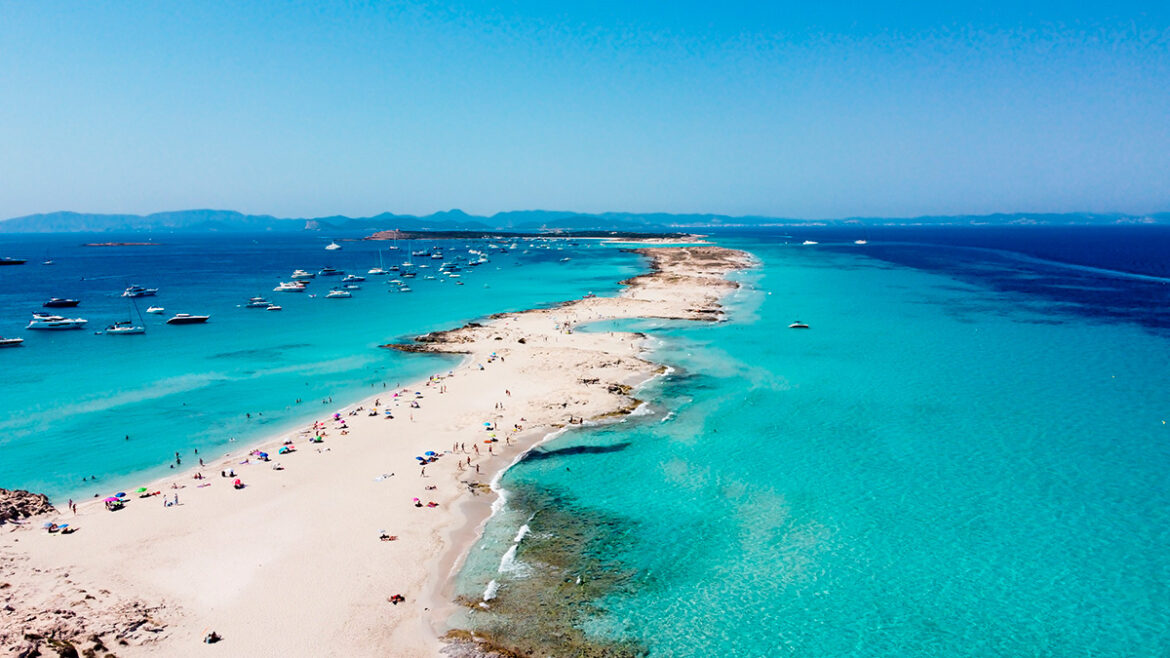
(293, 508)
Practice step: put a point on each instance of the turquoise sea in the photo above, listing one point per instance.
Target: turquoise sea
(966, 455)
(69, 399)
(963, 456)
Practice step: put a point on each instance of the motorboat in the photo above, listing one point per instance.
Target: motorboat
(187, 318)
(329, 271)
(258, 302)
(353, 278)
(408, 275)
(10, 342)
(861, 242)
(404, 288)
(808, 242)
(139, 291)
(290, 286)
(124, 328)
(332, 246)
(798, 325)
(6, 260)
(302, 274)
(274, 307)
(352, 286)
(57, 302)
(338, 294)
(155, 310)
(45, 321)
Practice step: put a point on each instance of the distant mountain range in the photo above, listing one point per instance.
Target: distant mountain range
(516, 220)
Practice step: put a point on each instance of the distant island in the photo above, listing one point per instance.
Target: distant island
(487, 235)
(519, 221)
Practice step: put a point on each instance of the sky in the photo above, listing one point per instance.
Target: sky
(803, 110)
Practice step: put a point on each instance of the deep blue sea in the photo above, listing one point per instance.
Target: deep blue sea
(967, 454)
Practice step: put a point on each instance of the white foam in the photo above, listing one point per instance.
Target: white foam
(491, 590)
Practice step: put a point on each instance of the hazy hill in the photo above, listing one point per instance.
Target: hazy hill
(517, 220)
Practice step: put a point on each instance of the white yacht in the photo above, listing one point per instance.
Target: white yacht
(302, 274)
(808, 242)
(353, 278)
(45, 321)
(139, 291)
(332, 246)
(861, 242)
(10, 342)
(155, 310)
(377, 271)
(289, 286)
(338, 294)
(258, 302)
(124, 328)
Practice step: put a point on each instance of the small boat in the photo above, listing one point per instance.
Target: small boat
(290, 286)
(861, 242)
(329, 271)
(332, 246)
(258, 302)
(404, 288)
(10, 342)
(352, 286)
(12, 261)
(124, 328)
(338, 294)
(408, 275)
(301, 274)
(187, 318)
(352, 278)
(808, 242)
(57, 302)
(155, 310)
(798, 325)
(273, 307)
(377, 271)
(139, 291)
(44, 321)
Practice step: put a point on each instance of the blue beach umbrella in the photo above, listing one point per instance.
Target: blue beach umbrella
(120, 494)
(429, 453)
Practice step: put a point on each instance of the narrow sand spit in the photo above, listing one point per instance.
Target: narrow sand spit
(293, 563)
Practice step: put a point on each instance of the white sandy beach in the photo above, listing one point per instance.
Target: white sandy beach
(292, 564)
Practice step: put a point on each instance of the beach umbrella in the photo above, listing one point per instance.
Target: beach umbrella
(111, 499)
(140, 490)
(429, 453)
(263, 454)
(420, 459)
(120, 494)
(487, 424)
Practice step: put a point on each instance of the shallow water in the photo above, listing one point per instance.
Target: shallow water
(949, 462)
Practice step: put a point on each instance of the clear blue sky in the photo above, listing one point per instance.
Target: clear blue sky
(817, 109)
